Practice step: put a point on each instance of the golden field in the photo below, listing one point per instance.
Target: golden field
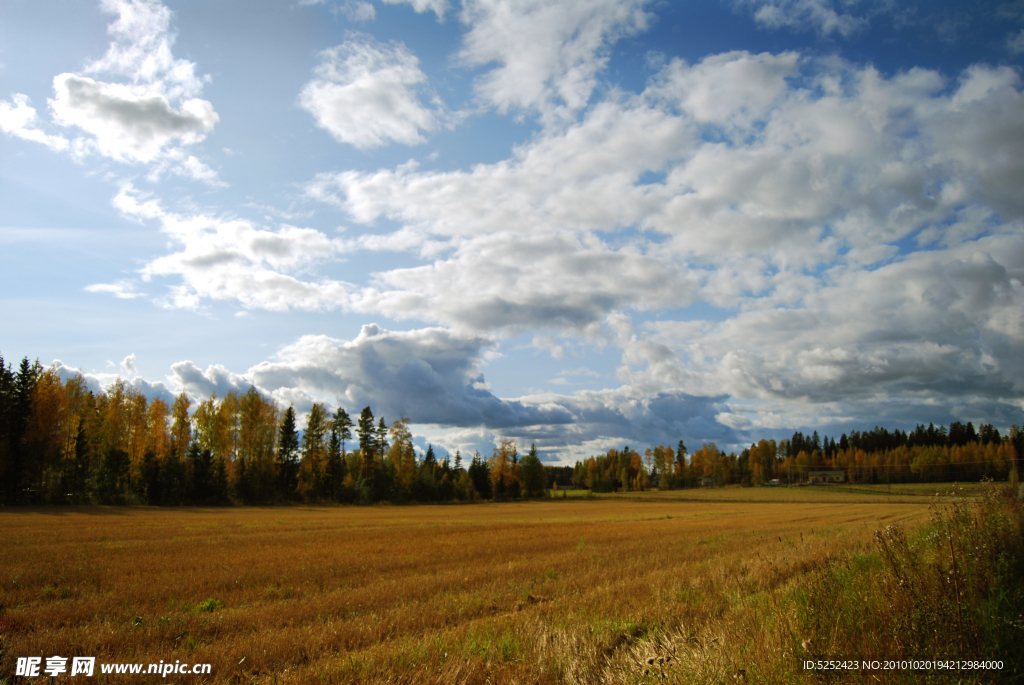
(560, 591)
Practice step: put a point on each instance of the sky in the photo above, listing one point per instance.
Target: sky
(581, 224)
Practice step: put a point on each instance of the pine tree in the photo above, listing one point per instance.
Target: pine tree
(481, 476)
(382, 438)
(531, 472)
(341, 424)
(335, 476)
(7, 480)
(19, 461)
(287, 456)
(367, 440)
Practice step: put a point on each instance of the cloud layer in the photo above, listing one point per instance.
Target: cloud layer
(861, 235)
(766, 240)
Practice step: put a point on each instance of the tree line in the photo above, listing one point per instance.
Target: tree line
(62, 443)
(926, 454)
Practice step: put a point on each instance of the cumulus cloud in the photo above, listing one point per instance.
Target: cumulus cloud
(770, 165)
(129, 124)
(364, 94)
(150, 116)
(789, 191)
(432, 376)
(101, 382)
(548, 52)
(202, 385)
(940, 328)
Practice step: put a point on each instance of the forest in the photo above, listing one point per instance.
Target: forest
(61, 443)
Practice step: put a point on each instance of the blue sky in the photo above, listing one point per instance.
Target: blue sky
(582, 224)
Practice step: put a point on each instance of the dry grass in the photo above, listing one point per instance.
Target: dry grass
(572, 591)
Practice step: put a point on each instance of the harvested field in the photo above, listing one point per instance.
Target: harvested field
(559, 591)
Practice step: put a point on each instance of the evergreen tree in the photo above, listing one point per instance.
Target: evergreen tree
(531, 472)
(341, 425)
(335, 476)
(200, 489)
(382, 438)
(219, 483)
(173, 477)
(480, 474)
(112, 478)
(681, 463)
(367, 440)
(7, 465)
(78, 484)
(288, 456)
(18, 465)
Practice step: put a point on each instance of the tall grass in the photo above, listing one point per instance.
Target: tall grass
(954, 590)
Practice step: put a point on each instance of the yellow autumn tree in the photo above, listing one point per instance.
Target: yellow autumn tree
(402, 454)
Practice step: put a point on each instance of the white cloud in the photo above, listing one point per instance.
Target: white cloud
(354, 10)
(940, 324)
(101, 382)
(771, 166)
(788, 190)
(1015, 42)
(151, 119)
(438, 7)
(129, 124)
(818, 15)
(548, 52)
(141, 49)
(432, 376)
(226, 258)
(123, 289)
(364, 94)
(201, 385)
(18, 118)
(128, 364)
(359, 11)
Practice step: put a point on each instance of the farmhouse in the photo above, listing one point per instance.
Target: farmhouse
(826, 477)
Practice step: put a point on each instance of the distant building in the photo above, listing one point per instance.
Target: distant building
(826, 477)
(707, 482)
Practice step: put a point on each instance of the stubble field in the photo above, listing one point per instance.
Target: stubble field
(562, 591)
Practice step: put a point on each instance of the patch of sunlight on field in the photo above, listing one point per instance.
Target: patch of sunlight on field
(549, 592)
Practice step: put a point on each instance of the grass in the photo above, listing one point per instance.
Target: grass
(838, 493)
(564, 591)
